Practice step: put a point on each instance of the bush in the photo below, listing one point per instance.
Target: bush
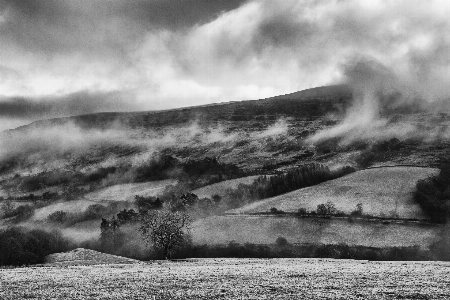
(326, 209)
(281, 241)
(358, 212)
(276, 211)
(21, 246)
(302, 211)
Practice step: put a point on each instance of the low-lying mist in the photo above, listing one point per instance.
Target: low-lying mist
(381, 99)
(66, 149)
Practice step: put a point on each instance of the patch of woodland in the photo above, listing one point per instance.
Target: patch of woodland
(21, 246)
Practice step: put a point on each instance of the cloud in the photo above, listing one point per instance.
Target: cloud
(166, 53)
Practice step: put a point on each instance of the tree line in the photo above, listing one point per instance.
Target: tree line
(433, 194)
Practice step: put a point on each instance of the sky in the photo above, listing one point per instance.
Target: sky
(69, 57)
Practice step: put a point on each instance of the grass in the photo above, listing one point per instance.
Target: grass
(74, 206)
(82, 256)
(232, 279)
(382, 192)
(220, 187)
(126, 192)
(266, 229)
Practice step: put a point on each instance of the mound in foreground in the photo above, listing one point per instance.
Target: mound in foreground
(81, 256)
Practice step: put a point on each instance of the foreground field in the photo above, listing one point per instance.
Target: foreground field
(232, 279)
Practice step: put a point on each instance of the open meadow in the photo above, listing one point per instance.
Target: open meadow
(232, 279)
(266, 229)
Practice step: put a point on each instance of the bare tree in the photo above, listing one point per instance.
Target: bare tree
(165, 230)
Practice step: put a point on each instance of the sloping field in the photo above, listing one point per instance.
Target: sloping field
(220, 187)
(126, 192)
(75, 206)
(232, 279)
(266, 229)
(382, 192)
(82, 256)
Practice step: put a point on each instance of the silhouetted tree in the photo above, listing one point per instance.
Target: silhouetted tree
(110, 235)
(165, 229)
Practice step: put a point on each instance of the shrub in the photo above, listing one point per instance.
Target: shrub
(326, 209)
(358, 212)
(281, 241)
(302, 211)
(276, 211)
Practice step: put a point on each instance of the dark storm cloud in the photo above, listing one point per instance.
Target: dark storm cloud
(90, 26)
(83, 102)
(175, 14)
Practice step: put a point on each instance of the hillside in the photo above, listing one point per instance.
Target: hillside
(105, 149)
(310, 103)
(381, 191)
(258, 136)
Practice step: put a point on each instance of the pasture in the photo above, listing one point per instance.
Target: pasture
(266, 229)
(383, 191)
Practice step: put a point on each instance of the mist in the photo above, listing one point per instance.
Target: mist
(380, 96)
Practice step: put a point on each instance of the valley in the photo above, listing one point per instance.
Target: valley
(96, 166)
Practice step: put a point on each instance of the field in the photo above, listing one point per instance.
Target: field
(266, 229)
(220, 187)
(232, 279)
(126, 192)
(75, 206)
(382, 191)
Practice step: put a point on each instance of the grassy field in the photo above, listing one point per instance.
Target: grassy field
(220, 187)
(74, 206)
(382, 191)
(266, 229)
(232, 279)
(126, 192)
